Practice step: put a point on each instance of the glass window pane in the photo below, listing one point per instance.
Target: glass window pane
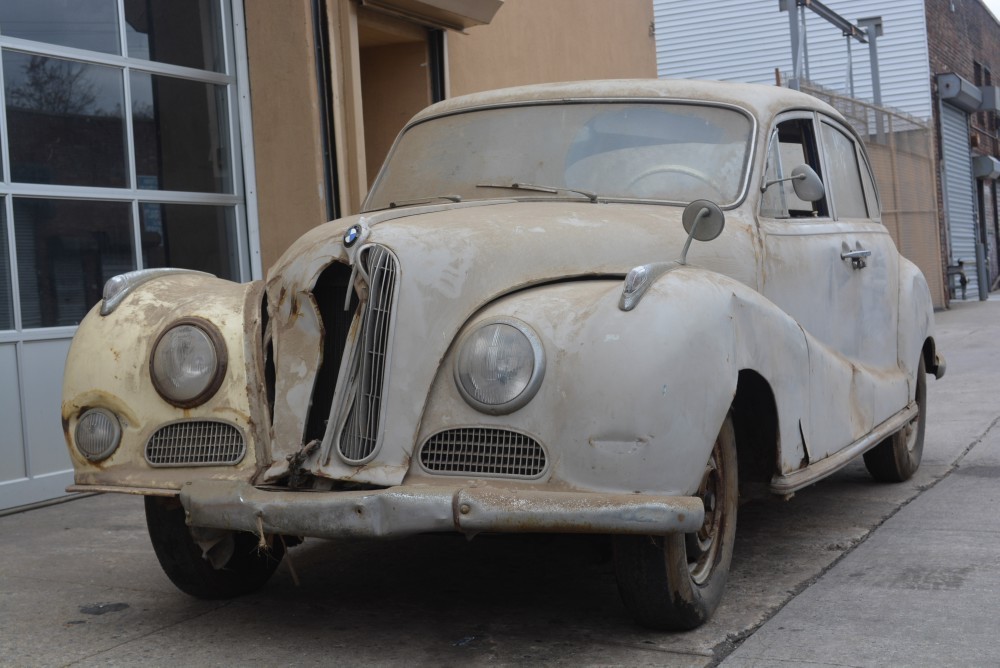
(82, 24)
(6, 299)
(64, 121)
(66, 250)
(181, 134)
(178, 32)
(845, 177)
(191, 236)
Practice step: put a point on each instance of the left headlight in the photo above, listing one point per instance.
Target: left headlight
(188, 362)
(500, 365)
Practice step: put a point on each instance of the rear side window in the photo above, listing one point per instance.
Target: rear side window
(844, 178)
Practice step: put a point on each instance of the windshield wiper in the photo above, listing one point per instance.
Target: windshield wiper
(424, 200)
(539, 188)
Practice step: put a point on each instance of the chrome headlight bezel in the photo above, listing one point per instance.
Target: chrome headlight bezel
(527, 393)
(213, 379)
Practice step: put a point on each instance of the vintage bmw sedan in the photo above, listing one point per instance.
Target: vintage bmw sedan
(600, 307)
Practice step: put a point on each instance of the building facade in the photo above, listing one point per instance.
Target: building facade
(746, 40)
(964, 47)
(210, 134)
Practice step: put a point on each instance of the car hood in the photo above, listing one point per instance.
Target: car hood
(485, 249)
(453, 260)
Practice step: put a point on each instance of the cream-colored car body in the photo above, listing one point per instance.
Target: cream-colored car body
(631, 400)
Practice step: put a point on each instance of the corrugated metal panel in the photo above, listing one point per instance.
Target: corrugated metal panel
(745, 40)
(959, 197)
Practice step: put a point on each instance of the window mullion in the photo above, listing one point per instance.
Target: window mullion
(133, 182)
(241, 143)
(137, 258)
(15, 286)
(112, 60)
(4, 138)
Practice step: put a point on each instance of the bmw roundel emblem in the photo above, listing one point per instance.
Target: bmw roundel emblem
(351, 236)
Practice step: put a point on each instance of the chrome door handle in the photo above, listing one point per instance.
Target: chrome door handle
(857, 256)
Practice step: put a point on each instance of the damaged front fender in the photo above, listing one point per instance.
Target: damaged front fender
(108, 367)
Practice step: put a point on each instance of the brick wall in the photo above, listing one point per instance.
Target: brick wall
(960, 35)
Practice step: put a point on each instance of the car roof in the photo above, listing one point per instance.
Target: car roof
(761, 101)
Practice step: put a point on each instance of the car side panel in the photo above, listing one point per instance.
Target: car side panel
(632, 401)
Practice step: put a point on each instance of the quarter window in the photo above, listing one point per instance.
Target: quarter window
(792, 143)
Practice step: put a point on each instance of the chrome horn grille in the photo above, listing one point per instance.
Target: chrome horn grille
(196, 443)
(499, 453)
(360, 434)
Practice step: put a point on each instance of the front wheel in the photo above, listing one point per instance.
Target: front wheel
(675, 582)
(219, 564)
(897, 458)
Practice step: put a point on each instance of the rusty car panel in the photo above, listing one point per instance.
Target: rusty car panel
(599, 307)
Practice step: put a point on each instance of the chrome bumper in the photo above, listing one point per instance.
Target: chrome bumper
(413, 509)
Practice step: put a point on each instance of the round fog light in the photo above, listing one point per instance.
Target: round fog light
(98, 434)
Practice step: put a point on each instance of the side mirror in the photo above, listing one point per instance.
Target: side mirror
(805, 182)
(807, 185)
(703, 220)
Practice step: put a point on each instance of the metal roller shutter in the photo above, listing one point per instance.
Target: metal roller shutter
(958, 192)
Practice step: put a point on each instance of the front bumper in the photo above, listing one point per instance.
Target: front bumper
(412, 509)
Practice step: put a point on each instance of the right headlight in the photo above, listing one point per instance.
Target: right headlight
(188, 362)
(500, 365)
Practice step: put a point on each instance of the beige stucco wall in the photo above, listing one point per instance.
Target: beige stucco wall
(394, 86)
(286, 122)
(529, 41)
(539, 41)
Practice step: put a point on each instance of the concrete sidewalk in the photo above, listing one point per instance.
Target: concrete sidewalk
(923, 588)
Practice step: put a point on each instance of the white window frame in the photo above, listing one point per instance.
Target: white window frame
(242, 199)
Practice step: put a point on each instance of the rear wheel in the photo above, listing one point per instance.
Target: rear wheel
(675, 582)
(898, 457)
(208, 563)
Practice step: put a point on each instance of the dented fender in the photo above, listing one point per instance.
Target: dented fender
(108, 367)
(667, 373)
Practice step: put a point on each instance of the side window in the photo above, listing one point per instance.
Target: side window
(844, 180)
(871, 191)
(792, 143)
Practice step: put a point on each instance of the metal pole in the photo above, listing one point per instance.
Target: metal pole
(804, 36)
(850, 67)
(873, 30)
(793, 26)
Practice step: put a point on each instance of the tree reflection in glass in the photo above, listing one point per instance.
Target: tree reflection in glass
(65, 121)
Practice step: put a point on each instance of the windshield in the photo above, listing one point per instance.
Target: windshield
(673, 152)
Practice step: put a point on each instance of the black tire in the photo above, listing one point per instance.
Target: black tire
(675, 582)
(245, 566)
(898, 457)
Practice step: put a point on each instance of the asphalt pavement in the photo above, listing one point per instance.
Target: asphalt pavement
(847, 573)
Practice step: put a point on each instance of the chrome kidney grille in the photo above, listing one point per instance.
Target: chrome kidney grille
(499, 453)
(360, 434)
(196, 443)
